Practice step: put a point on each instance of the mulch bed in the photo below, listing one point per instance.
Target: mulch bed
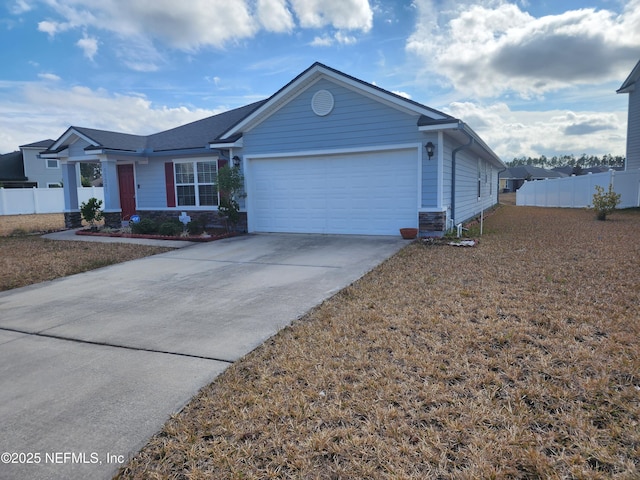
(191, 238)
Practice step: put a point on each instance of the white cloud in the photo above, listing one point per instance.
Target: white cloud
(402, 94)
(40, 111)
(49, 76)
(512, 133)
(486, 48)
(89, 46)
(50, 28)
(338, 37)
(274, 15)
(205, 23)
(20, 6)
(341, 14)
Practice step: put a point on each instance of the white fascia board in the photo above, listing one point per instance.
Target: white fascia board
(68, 134)
(628, 89)
(237, 144)
(62, 153)
(336, 151)
(384, 97)
(441, 126)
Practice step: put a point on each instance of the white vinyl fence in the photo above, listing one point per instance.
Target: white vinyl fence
(577, 192)
(21, 201)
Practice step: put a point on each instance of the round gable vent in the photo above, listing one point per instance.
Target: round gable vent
(322, 103)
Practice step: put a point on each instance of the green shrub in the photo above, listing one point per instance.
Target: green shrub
(171, 228)
(90, 211)
(605, 203)
(144, 226)
(196, 227)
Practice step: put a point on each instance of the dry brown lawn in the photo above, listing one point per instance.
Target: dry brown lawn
(10, 224)
(25, 260)
(519, 358)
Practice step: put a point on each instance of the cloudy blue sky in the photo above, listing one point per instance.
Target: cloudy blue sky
(530, 76)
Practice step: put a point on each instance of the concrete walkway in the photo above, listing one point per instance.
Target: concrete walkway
(92, 365)
(71, 235)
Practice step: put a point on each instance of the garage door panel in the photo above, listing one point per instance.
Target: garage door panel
(366, 193)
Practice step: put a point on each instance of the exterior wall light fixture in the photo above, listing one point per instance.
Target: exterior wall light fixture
(430, 147)
(236, 161)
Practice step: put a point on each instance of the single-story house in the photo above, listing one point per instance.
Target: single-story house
(514, 177)
(327, 153)
(631, 86)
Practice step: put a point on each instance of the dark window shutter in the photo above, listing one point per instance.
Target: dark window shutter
(170, 184)
(222, 162)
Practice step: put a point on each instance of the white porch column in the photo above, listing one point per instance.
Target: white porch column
(72, 217)
(70, 187)
(111, 188)
(110, 184)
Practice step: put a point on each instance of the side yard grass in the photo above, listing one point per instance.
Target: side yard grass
(25, 260)
(20, 224)
(518, 358)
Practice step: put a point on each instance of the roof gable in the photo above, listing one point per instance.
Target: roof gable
(630, 83)
(311, 76)
(193, 135)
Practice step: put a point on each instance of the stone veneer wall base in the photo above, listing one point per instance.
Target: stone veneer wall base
(209, 218)
(432, 223)
(72, 220)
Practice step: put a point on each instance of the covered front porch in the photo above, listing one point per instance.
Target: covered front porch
(118, 186)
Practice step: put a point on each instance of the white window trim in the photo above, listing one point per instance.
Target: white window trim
(46, 164)
(194, 162)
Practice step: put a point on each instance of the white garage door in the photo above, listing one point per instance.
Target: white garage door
(373, 193)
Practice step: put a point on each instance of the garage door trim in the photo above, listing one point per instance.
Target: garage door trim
(415, 149)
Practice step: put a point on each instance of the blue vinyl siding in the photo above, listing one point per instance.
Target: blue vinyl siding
(356, 121)
(151, 194)
(467, 203)
(150, 178)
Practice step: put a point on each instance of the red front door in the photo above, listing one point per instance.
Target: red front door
(127, 191)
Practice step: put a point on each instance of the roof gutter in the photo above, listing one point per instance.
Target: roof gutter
(454, 153)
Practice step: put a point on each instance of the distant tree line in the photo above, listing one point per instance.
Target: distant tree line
(584, 161)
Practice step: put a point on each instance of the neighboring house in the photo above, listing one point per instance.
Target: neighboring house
(327, 153)
(513, 178)
(25, 169)
(12, 171)
(569, 170)
(632, 87)
(46, 173)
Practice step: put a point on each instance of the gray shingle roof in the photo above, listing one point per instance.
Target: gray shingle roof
(193, 135)
(530, 172)
(200, 133)
(114, 140)
(44, 144)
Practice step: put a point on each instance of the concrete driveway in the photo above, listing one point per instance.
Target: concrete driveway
(92, 365)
